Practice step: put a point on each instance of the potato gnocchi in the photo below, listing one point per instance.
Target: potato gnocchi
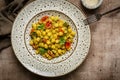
(51, 37)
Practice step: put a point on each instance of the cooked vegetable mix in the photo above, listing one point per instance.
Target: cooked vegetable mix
(51, 37)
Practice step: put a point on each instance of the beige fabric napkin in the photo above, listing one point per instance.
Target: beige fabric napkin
(7, 16)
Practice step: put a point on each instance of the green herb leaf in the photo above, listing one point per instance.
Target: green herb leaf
(65, 24)
(42, 51)
(33, 35)
(41, 26)
(62, 40)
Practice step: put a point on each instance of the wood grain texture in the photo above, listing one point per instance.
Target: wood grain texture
(102, 62)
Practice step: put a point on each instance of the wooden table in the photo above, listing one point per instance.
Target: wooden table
(102, 62)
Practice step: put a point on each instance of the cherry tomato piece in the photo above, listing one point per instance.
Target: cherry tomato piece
(67, 45)
(44, 18)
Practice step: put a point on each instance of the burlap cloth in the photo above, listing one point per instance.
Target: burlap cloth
(7, 16)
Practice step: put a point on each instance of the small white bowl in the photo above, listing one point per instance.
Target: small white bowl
(91, 7)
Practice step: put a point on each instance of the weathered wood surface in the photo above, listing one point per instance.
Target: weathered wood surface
(102, 62)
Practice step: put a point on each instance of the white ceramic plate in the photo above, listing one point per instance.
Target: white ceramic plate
(36, 63)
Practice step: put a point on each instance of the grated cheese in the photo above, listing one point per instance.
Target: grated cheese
(91, 2)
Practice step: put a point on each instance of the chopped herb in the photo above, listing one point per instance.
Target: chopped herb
(65, 24)
(33, 35)
(62, 40)
(42, 51)
(41, 26)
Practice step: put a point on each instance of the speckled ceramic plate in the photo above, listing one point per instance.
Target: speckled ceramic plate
(36, 63)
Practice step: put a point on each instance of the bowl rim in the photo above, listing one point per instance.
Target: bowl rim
(92, 7)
